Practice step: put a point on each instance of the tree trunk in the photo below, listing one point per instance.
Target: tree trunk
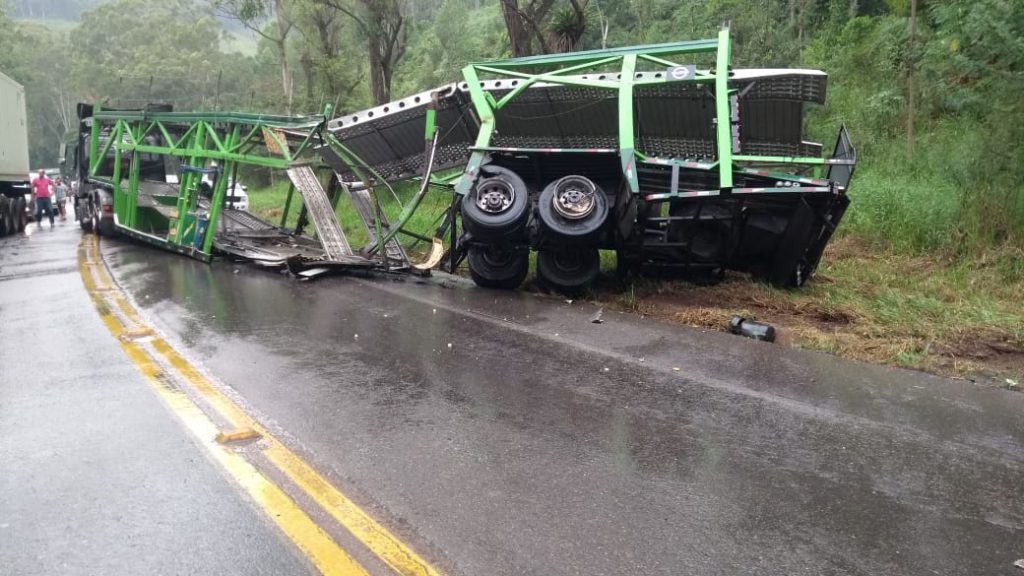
(307, 70)
(911, 89)
(381, 89)
(284, 26)
(286, 75)
(518, 38)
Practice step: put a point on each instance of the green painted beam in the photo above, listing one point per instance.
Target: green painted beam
(270, 120)
(627, 136)
(723, 112)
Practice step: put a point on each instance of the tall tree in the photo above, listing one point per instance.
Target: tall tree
(524, 20)
(911, 89)
(132, 51)
(255, 15)
(384, 26)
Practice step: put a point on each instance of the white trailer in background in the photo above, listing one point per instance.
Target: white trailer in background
(14, 168)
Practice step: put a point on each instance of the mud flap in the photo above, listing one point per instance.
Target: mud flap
(793, 246)
(830, 221)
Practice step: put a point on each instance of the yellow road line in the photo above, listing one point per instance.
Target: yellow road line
(329, 558)
(393, 552)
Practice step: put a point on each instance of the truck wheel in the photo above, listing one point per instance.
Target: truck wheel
(83, 211)
(10, 218)
(21, 210)
(573, 208)
(568, 270)
(497, 266)
(105, 226)
(497, 206)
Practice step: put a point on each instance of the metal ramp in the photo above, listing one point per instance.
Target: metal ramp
(328, 230)
(363, 203)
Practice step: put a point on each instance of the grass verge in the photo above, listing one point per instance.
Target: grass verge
(268, 203)
(869, 302)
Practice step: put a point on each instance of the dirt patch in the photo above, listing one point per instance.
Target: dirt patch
(864, 303)
(994, 350)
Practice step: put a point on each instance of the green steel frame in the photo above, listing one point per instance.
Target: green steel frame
(556, 68)
(229, 139)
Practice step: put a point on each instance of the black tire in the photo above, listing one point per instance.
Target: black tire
(105, 227)
(568, 270)
(85, 216)
(83, 211)
(96, 215)
(84, 219)
(579, 230)
(496, 222)
(495, 266)
(12, 217)
(21, 212)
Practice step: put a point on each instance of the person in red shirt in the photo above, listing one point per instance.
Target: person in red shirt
(42, 196)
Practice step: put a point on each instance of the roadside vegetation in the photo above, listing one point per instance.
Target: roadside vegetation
(268, 201)
(927, 270)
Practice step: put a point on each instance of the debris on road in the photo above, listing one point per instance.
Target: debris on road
(751, 329)
(596, 318)
(237, 436)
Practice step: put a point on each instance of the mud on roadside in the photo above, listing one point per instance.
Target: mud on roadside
(851, 309)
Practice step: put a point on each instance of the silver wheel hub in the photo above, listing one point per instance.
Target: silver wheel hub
(495, 197)
(574, 197)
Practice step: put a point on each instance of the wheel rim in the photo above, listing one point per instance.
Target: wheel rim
(574, 198)
(495, 196)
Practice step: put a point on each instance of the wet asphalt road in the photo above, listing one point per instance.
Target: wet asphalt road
(541, 443)
(97, 476)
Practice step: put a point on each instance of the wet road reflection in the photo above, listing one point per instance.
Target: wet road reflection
(516, 451)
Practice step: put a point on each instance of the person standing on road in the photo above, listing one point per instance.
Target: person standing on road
(41, 195)
(60, 195)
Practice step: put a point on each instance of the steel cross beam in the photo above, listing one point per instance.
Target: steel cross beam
(555, 68)
(196, 138)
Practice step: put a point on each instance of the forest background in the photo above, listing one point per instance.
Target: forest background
(931, 91)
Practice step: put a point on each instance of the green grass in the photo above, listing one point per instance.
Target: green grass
(268, 202)
(869, 301)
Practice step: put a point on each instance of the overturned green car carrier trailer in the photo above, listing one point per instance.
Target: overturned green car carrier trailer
(662, 153)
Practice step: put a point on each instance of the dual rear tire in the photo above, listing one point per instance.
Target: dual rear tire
(498, 266)
(497, 208)
(572, 211)
(568, 270)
